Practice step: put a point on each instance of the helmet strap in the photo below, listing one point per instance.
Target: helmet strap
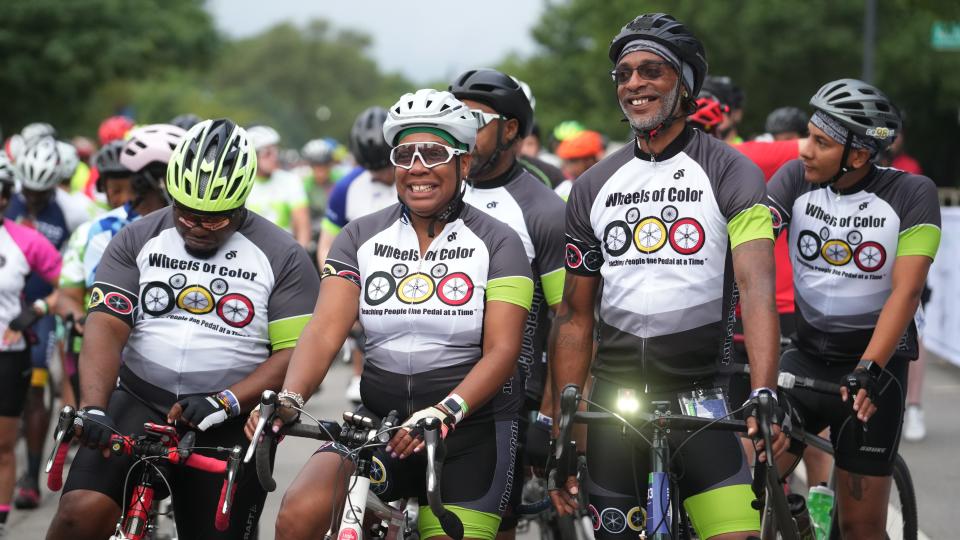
(844, 168)
(491, 161)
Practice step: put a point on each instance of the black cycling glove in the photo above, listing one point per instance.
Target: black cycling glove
(860, 378)
(96, 427)
(205, 412)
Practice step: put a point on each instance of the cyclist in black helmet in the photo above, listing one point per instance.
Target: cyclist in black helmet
(786, 123)
(691, 210)
(500, 186)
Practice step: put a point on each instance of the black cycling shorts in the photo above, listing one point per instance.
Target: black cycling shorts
(15, 372)
(195, 493)
(712, 474)
(478, 471)
(859, 451)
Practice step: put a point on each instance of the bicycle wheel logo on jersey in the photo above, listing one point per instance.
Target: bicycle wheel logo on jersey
(613, 520)
(118, 303)
(637, 518)
(455, 289)
(415, 288)
(378, 476)
(686, 236)
(158, 299)
(836, 252)
(573, 256)
(195, 299)
(616, 237)
(236, 310)
(870, 256)
(649, 235)
(219, 286)
(379, 287)
(808, 245)
(594, 516)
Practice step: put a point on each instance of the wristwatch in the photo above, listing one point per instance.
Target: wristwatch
(870, 367)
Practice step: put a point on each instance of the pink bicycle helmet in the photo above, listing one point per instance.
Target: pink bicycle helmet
(150, 144)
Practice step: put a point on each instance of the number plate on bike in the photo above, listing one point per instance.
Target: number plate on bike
(704, 402)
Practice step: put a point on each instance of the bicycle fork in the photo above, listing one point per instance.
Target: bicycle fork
(355, 505)
(136, 524)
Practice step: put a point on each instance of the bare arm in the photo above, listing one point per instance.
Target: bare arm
(323, 247)
(503, 325)
(268, 375)
(70, 302)
(300, 218)
(103, 341)
(909, 275)
(754, 268)
(571, 339)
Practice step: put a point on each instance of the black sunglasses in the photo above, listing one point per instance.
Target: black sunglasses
(648, 71)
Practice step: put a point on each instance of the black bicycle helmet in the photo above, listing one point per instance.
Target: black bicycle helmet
(498, 90)
(861, 108)
(367, 144)
(185, 121)
(720, 88)
(787, 119)
(666, 30)
(107, 163)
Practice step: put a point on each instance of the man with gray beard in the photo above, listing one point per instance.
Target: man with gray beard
(671, 227)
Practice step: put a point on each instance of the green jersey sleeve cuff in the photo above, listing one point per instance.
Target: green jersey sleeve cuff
(330, 227)
(553, 285)
(754, 223)
(923, 239)
(512, 289)
(284, 333)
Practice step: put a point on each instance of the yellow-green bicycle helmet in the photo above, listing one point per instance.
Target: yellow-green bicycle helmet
(213, 167)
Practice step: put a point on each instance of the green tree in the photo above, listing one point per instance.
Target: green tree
(780, 52)
(57, 54)
(306, 82)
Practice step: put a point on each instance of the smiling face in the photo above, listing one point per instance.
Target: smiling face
(647, 103)
(427, 191)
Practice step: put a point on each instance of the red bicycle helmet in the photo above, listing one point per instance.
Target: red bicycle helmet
(114, 128)
(709, 114)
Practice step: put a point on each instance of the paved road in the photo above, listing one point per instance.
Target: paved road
(934, 462)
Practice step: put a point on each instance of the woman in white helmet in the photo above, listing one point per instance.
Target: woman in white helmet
(442, 291)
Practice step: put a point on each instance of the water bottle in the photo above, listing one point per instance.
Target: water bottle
(798, 509)
(820, 504)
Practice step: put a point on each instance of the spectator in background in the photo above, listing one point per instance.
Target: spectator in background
(318, 154)
(787, 123)
(579, 153)
(277, 195)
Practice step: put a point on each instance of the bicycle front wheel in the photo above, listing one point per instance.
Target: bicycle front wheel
(902, 514)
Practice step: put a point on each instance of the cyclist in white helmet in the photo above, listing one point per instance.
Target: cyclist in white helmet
(54, 214)
(467, 275)
(277, 194)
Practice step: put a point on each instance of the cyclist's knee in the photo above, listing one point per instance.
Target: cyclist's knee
(861, 525)
(83, 514)
(300, 517)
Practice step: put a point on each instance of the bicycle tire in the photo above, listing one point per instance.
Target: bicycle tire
(908, 498)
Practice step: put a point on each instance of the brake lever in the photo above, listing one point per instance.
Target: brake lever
(233, 466)
(62, 434)
(268, 405)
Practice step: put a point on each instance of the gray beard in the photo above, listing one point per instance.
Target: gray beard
(667, 103)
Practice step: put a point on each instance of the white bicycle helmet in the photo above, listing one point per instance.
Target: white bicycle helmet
(6, 170)
(150, 144)
(262, 137)
(35, 131)
(318, 151)
(38, 167)
(435, 109)
(69, 159)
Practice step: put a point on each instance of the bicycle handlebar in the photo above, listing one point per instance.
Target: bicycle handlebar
(164, 443)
